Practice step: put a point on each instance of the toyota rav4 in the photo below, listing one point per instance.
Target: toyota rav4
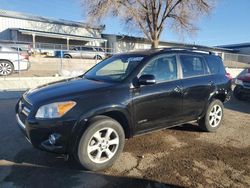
(89, 117)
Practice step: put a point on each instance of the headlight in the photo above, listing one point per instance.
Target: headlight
(238, 82)
(55, 110)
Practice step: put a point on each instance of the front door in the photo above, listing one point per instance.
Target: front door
(158, 105)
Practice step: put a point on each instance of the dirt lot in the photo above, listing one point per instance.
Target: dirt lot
(187, 157)
(181, 156)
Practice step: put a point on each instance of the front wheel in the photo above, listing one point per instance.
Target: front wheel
(101, 144)
(213, 117)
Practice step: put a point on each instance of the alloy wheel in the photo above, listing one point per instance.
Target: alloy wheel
(5, 68)
(103, 145)
(215, 116)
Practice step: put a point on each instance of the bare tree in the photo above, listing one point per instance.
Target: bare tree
(151, 16)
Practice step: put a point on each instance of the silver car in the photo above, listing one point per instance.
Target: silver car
(85, 52)
(11, 60)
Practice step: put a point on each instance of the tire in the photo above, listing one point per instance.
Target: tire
(237, 94)
(213, 117)
(67, 56)
(6, 68)
(98, 57)
(93, 148)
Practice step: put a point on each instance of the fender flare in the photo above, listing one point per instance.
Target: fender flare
(83, 122)
(210, 99)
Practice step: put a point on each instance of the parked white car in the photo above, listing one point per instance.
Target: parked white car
(85, 52)
(10, 61)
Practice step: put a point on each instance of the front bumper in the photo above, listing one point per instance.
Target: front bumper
(38, 133)
(29, 65)
(243, 91)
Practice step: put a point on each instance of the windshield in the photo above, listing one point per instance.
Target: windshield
(116, 68)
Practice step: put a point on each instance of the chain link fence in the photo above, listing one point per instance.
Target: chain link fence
(53, 60)
(232, 60)
(47, 60)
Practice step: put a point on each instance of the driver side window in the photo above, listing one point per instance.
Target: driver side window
(163, 68)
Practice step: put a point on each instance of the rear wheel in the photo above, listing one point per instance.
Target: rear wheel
(98, 57)
(101, 144)
(213, 117)
(6, 68)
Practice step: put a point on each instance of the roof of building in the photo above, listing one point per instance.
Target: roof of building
(57, 35)
(239, 45)
(169, 44)
(25, 16)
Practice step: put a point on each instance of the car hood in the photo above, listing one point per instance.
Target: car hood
(63, 88)
(245, 78)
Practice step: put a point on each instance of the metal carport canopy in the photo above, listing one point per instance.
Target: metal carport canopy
(59, 35)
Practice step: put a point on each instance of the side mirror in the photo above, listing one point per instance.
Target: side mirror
(147, 79)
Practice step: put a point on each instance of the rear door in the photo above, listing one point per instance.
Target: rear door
(197, 85)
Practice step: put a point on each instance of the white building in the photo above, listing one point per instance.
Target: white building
(46, 33)
(124, 43)
(15, 26)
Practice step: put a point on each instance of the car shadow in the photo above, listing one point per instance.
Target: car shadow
(187, 127)
(32, 168)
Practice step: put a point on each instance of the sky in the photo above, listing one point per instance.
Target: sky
(229, 22)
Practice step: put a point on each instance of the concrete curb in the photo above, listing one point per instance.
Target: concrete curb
(23, 83)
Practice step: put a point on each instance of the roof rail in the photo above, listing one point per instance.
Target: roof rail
(193, 49)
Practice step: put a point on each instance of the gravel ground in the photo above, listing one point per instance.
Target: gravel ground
(186, 157)
(181, 156)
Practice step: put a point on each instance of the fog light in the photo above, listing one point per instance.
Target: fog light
(53, 138)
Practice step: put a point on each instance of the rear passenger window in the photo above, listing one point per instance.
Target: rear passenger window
(215, 65)
(192, 66)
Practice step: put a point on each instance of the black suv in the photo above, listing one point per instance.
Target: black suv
(125, 95)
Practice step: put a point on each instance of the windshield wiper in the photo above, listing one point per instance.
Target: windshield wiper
(92, 78)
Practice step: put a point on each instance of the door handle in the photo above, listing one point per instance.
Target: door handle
(178, 89)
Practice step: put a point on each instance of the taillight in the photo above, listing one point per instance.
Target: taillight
(25, 56)
(228, 75)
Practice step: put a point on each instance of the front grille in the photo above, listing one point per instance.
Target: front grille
(26, 103)
(22, 117)
(246, 84)
(23, 110)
